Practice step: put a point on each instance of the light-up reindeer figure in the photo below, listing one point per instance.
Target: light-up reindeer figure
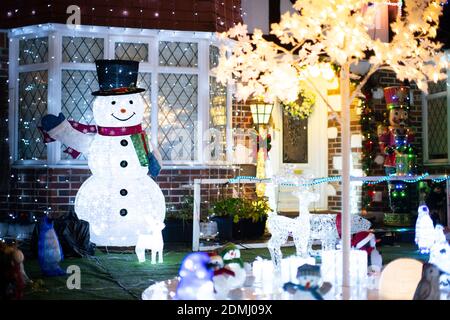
(299, 228)
(152, 241)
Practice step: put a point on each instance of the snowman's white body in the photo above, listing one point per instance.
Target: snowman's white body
(100, 202)
(240, 274)
(120, 201)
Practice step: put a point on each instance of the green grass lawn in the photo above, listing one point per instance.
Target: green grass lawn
(121, 276)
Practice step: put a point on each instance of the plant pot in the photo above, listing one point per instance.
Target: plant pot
(224, 227)
(244, 229)
(247, 229)
(177, 231)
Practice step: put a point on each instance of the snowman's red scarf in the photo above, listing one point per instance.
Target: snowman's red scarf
(138, 137)
(120, 131)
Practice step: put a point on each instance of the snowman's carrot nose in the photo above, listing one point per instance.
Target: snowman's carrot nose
(123, 110)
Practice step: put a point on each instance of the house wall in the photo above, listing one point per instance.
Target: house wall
(335, 151)
(4, 148)
(189, 15)
(39, 189)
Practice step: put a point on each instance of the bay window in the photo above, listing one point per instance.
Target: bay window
(436, 120)
(52, 70)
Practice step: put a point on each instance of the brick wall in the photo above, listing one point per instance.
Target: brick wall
(242, 119)
(4, 149)
(334, 150)
(40, 189)
(190, 15)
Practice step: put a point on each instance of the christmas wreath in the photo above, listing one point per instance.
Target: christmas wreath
(302, 107)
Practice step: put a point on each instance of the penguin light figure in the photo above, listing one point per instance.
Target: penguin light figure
(231, 256)
(428, 287)
(440, 251)
(424, 230)
(49, 250)
(195, 278)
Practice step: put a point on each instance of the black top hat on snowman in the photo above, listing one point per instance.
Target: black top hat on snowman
(117, 77)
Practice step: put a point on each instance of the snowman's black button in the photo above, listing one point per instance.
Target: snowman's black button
(123, 212)
(123, 164)
(123, 192)
(124, 142)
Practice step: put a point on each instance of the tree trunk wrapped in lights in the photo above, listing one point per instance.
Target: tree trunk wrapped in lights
(337, 30)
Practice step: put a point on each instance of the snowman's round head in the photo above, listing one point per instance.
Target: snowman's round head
(119, 110)
(308, 276)
(232, 254)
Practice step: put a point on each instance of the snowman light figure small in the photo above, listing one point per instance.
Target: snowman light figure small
(231, 256)
(221, 276)
(309, 283)
(120, 200)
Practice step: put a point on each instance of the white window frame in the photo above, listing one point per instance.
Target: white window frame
(112, 35)
(425, 98)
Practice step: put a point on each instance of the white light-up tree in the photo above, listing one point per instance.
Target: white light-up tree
(337, 32)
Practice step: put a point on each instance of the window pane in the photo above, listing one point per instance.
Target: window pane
(178, 54)
(132, 51)
(76, 102)
(144, 81)
(439, 86)
(33, 51)
(217, 118)
(177, 116)
(295, 140)
(82, 50)
(437, 128)
(213, 56)
(32, 106)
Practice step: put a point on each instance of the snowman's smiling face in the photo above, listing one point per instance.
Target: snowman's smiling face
(119, 111)
(232, 254)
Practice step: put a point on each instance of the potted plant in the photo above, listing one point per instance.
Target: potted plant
(239, 218)
(223, 213)
(179, 223)
(252, 222)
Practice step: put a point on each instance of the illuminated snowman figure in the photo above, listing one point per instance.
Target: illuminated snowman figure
(231, 256)
(309, 284)
(122, 203)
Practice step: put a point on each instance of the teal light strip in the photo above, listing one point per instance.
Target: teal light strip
(318, 181)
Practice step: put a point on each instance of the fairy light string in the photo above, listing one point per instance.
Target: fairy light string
(317, 181)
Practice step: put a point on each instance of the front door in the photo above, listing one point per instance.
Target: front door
(303, 146)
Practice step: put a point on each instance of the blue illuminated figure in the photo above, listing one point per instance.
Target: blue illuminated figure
(195, 278)
(49, 250)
